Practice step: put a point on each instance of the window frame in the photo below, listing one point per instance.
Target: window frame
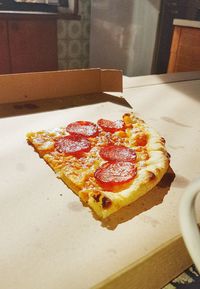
(13, 5)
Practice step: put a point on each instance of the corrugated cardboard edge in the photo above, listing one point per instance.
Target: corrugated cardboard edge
(154, 270)
(45, 85)
(111, 80)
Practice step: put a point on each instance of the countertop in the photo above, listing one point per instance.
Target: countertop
(186, 23)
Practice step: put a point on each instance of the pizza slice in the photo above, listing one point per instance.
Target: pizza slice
(109, 164)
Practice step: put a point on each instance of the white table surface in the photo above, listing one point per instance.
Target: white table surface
(48, 238)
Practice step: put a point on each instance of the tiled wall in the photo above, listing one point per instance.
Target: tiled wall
(73, 39)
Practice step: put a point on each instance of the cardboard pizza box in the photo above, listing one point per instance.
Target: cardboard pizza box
(46, 85)
(49, 239)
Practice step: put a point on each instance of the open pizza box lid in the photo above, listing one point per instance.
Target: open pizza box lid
(46, 85)
(48, 238)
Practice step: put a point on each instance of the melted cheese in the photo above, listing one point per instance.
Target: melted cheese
(78, 173)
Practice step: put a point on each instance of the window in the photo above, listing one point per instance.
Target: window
(33, 5)
(39, 1)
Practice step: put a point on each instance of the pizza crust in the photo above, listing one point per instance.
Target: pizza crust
(78, 174)
(147, 178)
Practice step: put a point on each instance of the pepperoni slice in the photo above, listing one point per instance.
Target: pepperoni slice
(113, 174)
(117, 153)
(83, 128)
(141, 140)
(111, 126)
(72, 145)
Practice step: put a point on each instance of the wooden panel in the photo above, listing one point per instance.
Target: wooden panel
(4, 52)
(186, 65)
(174, 49)
(190, 37)
(33, 45)
(185, 51)
(188, 57)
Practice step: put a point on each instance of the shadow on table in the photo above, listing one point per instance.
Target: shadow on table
(189, 88)
(43, 105)
(149, 200)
